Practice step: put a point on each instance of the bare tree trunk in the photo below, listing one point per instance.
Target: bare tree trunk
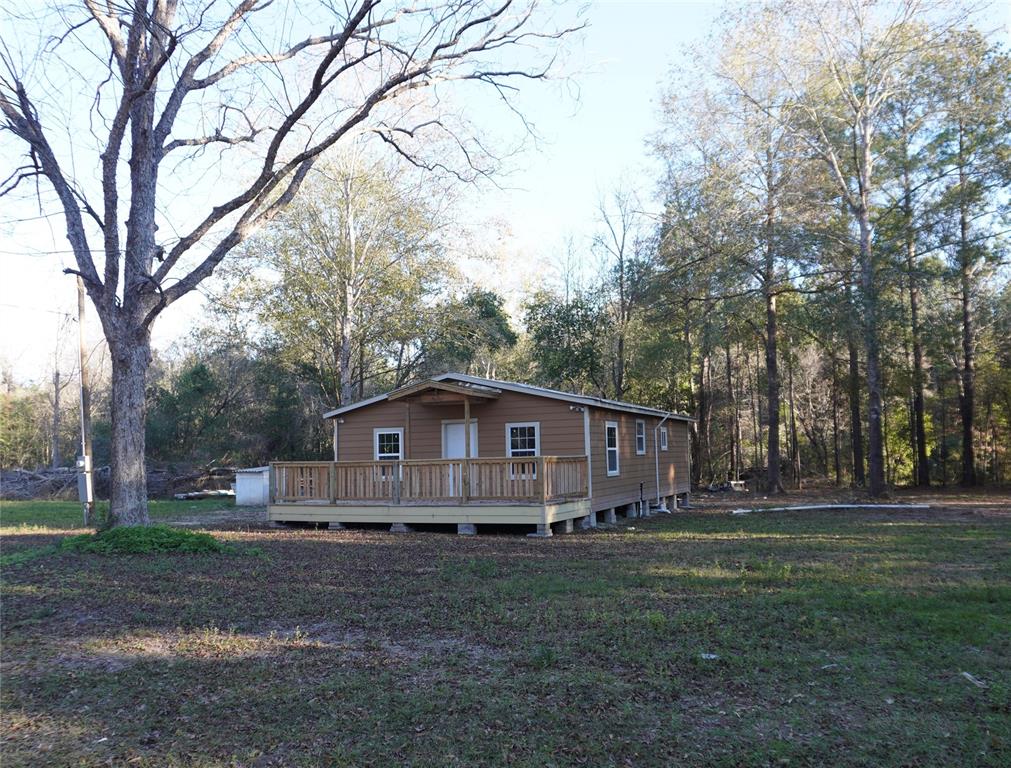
(889, 474)
(856, 424)
(735, 425)
(836, 459)
(704, 409)
(759, 444)
(774, 479)
(361, 371)
(914, 441)
(794, 445)
(967, 398)
(55, 457)
(128, 476)
(869, 297)
(942, 392)
(345, 374)
(739, 396)
(707, 383)
(919, 408)
(349, 303)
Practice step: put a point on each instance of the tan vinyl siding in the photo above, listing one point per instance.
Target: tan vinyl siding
(560, 433)
(624, 488)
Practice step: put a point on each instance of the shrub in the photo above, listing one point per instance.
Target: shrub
(144, 540)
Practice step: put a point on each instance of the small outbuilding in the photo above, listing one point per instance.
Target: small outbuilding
(252, 487)
(464, 450)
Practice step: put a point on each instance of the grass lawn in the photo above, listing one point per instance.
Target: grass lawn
(67, 514)
(699, 639)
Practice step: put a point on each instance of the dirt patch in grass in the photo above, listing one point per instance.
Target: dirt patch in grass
(838, 639)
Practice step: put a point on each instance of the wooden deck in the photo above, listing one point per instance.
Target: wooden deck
(538, 490)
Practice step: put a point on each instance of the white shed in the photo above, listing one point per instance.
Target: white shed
(252, 486)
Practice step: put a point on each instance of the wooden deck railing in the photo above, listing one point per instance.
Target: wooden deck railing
(538, 479)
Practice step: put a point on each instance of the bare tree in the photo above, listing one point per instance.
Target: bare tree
(620, 241)
(285, 82)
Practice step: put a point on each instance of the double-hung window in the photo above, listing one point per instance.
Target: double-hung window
(523, 439)
(389, 443)
(389, 446)
(663, 438)
(640, 437)
(611, 447)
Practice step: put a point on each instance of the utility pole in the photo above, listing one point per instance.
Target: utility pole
(85, 481)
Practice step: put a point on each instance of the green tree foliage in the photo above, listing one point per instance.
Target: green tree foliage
(768, 252)
(566, 341)
(23, 416)
(469, 334)
(192, 411)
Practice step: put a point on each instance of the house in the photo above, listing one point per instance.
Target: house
(464, 450)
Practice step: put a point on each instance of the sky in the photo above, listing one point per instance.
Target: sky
(588, 146)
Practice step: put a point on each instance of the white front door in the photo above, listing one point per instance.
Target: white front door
(454, 447)
(453, 440)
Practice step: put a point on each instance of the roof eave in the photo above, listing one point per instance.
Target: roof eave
(565, 396)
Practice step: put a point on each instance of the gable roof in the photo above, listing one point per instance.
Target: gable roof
(488, 393)
(478, 383)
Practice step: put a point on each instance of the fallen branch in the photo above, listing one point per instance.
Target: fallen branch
(805, 507)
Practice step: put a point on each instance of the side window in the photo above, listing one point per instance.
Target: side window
(663, 438)
(523, 439)
(389, 445)
(640, 437)
(611, 447)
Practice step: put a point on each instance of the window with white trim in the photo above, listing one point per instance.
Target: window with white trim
(663, 438)
(611, 448)
(523, 439)
(389, 443)
(640, 437)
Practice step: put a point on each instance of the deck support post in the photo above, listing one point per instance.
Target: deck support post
(567, 526)
(401, 528)
(466, 529)
(611, 516)
(543, 531)
(335, 526)
(590, 521)
(465, 466)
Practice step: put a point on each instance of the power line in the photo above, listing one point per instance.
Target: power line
(36, 252)
(36, 309)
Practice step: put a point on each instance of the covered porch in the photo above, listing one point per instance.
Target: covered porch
(458, 438)
(539, 490)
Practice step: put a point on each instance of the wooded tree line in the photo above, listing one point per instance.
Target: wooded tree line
(825, 288)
